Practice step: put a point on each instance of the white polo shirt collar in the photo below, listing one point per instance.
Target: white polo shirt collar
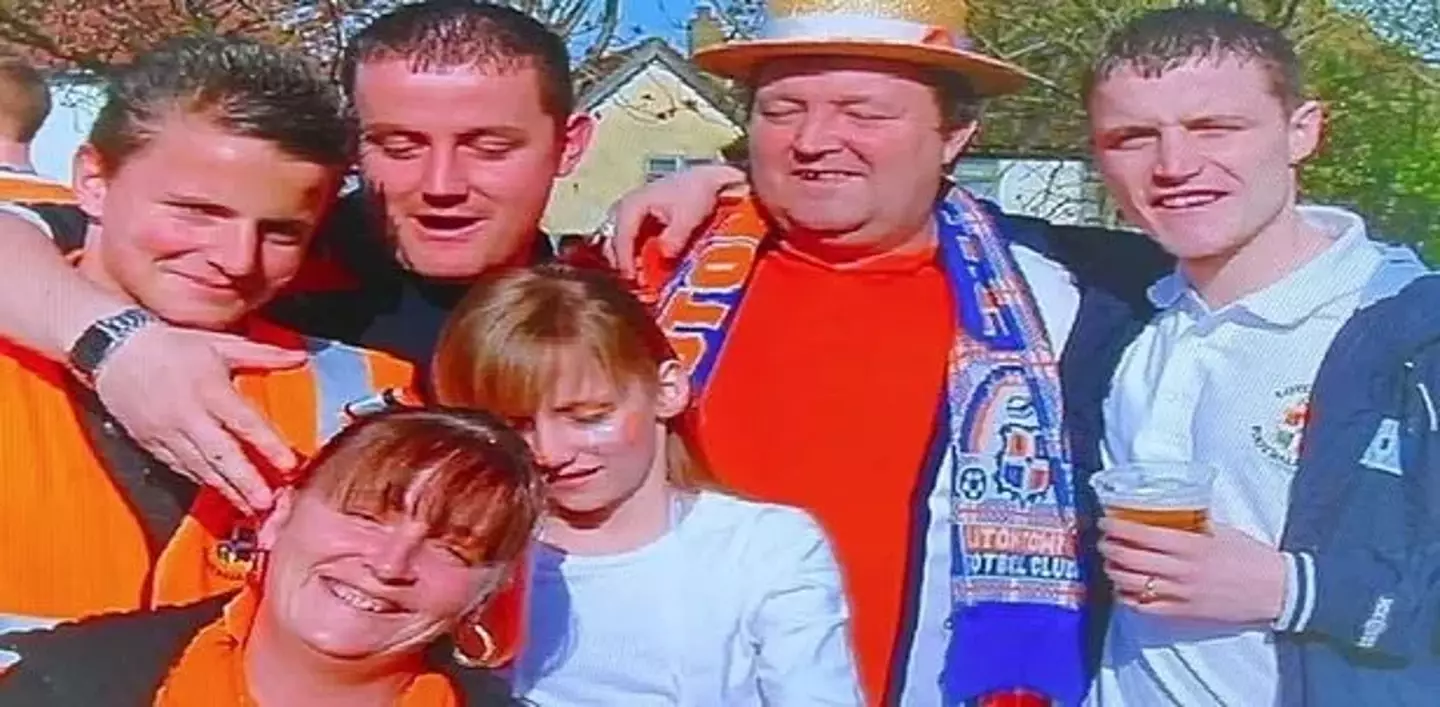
(1295, 297)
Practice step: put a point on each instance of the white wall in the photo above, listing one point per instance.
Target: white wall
(73, 111)
(1055, 190)
(1059, 190)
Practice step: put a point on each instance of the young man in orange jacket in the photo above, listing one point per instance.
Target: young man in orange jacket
(204, 178)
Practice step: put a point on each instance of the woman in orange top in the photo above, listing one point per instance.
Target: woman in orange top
(404, 525)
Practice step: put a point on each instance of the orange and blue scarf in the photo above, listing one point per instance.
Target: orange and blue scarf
(1017, 590)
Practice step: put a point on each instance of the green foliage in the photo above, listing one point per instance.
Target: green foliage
(1382, 148)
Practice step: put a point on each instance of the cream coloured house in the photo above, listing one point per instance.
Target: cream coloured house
(654, 113)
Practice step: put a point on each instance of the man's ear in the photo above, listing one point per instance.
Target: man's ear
(673, 395)
(90, 181)
(279, 515)
(579, 129)
(959, 138)
(1307, 123)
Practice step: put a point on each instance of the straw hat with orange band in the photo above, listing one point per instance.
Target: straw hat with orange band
(928, 33)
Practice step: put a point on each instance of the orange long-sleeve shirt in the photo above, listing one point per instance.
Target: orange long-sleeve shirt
(825, 397)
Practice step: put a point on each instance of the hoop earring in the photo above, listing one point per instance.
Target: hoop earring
(488, 658)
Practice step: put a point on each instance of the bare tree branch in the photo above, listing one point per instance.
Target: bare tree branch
(609, 23)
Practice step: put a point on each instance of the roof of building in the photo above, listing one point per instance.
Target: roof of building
(607, 74)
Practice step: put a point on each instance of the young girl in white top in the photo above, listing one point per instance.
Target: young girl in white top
(649, 587)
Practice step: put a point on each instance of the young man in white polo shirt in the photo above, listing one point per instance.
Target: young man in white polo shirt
(1278, 320)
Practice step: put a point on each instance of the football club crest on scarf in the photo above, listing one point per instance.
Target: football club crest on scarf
(1014, 558)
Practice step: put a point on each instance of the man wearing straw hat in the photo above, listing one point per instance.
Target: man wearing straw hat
(876, 345)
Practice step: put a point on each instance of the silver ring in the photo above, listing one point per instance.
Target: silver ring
(1147, 594)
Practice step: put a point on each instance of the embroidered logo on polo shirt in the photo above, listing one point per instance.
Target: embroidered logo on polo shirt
(1279, 439)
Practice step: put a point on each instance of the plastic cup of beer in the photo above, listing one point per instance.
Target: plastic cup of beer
(1165, 494)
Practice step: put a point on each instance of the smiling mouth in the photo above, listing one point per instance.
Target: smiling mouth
(358, 599)
(822, 175)
(570, 476)
(1187, 200)
(208, 286)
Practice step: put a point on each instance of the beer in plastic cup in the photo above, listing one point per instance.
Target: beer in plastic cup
(1165, 494)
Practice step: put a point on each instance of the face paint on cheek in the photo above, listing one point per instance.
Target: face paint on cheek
(617, 430)
(601, 433)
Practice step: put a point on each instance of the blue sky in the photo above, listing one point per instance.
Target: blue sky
(663, 18)
(63, 131)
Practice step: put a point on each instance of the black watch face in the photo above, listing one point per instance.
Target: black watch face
(90, 349)
(97, 341)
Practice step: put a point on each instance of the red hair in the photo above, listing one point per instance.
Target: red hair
(478, 484)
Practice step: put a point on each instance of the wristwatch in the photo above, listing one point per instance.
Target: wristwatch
(101, 338)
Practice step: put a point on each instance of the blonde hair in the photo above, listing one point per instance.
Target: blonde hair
(504, 346)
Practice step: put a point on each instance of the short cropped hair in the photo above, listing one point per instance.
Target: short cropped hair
(245, 87)
(1159, 41)
(465, 33)
(24, 99)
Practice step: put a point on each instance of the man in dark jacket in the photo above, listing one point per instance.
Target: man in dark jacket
(1289, 353)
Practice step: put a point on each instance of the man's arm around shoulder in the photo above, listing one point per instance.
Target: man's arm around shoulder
(44, 303)
(1123, 263)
